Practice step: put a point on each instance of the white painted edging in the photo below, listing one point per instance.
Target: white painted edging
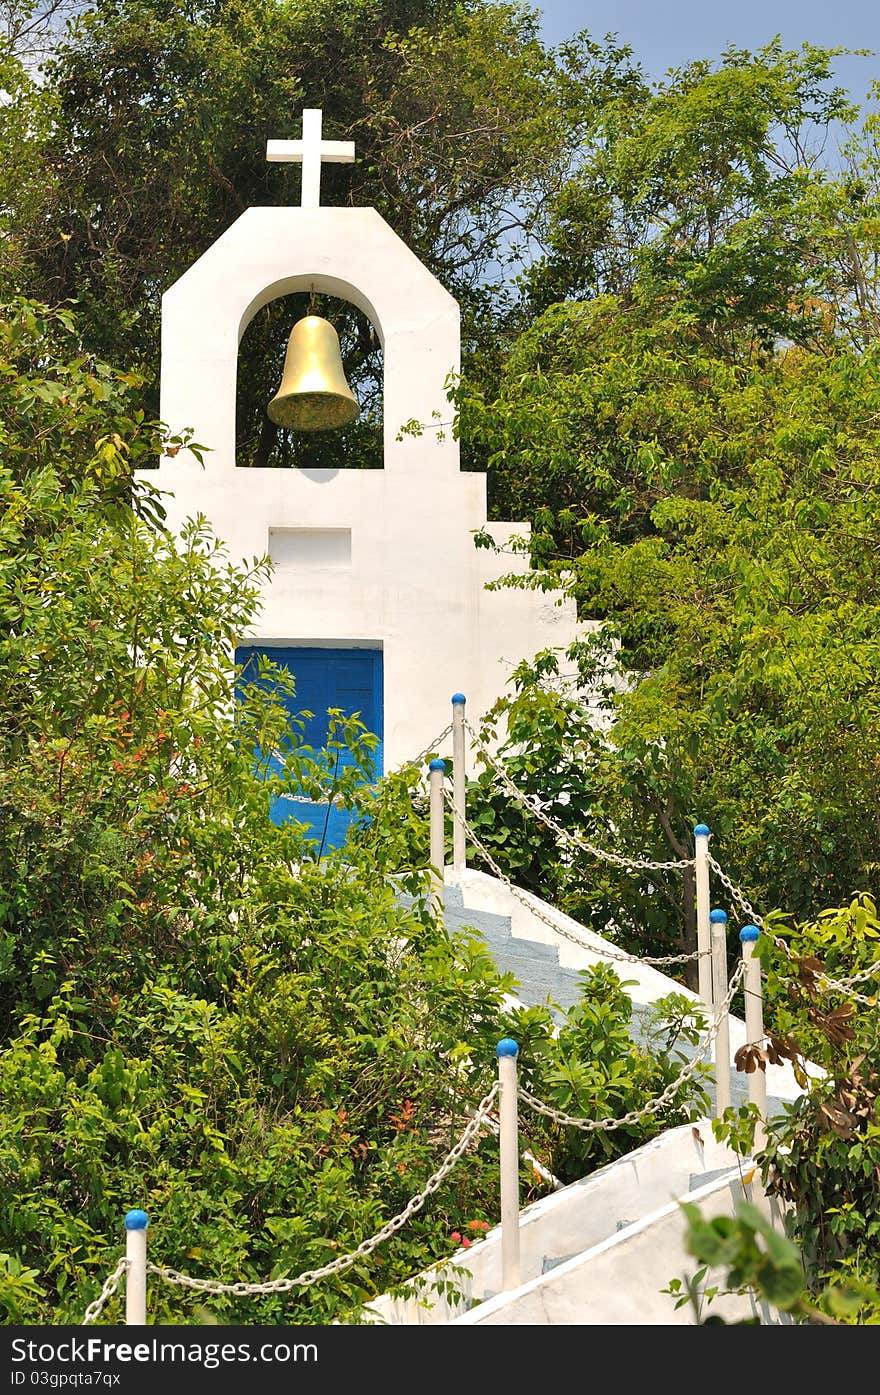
(620, 1281)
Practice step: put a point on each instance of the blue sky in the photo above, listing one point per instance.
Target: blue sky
(667, 33)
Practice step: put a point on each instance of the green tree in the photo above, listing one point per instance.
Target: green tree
(707, 191)
(747, 624)
(701, 483)
(198, 1016)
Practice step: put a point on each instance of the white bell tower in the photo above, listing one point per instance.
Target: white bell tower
(364, 560)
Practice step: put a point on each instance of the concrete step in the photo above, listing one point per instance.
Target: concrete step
(540, 978)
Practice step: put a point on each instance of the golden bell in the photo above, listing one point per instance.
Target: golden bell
(313, 395)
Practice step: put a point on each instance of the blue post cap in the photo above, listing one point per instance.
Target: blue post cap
(507, 1047)
(701, 830)
(437, 764)
(459, 697)
(748, 934)
(717, 917)
(136, 1220)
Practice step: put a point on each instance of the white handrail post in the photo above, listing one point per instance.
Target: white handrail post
(507, 1051)
(437, 853)
(748, 937)
(704, 939)
(458, 782)
(718, 925)
(136, 1223)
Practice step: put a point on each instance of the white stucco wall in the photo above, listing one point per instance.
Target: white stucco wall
(410, 580)
(621, 1281)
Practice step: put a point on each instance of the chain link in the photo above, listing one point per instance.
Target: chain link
(531, 904)
(527, 1156)
(844, 985)
(574, 840)
(653, 1106)
(336, 1266)
(111, 1284)
(738, 895)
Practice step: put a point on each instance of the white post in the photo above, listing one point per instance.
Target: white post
(136, 1223)
(704, 939)
(437, 852)
(748, 936)
(458, 782)
(718, 925)
(507, 1051)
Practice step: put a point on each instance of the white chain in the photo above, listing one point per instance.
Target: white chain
(574, 840)
(433, 746)
(844, 985)
(111, 1284)
(591, 1125)
(528, 1156)
(841, 985)
(304, 799)
(858, 977)
(738, 895)
(336, 1266)
(530, 904)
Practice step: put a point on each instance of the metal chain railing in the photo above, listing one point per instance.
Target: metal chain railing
(528, 1156)
(111, 1284)
(839, 985)
(342, 1262)
(739, 897)
(554, 924)
(574, 840)
(844, 985)
(653, 1106)
(484, 1116)
(413, 760)
(432, 746)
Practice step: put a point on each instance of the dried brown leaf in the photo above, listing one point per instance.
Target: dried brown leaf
(750, 1057)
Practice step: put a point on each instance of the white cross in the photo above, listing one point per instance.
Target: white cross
(311, 150)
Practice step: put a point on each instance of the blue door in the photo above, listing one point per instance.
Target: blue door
(350, 679)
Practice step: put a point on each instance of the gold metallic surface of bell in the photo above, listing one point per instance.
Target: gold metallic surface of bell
(313, 395)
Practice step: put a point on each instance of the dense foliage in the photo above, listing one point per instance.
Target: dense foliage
(269, 1051)
(146, 138)
(703, 483)
(670, 306)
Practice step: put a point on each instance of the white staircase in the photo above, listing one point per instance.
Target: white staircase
(514, 924)
(602, 1250)
(599, 1252)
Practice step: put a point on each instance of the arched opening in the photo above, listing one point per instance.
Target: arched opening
(259, 442)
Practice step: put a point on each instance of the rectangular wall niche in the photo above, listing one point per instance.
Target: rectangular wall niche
(310, 547)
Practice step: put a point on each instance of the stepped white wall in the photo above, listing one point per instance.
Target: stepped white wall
(384, 559)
